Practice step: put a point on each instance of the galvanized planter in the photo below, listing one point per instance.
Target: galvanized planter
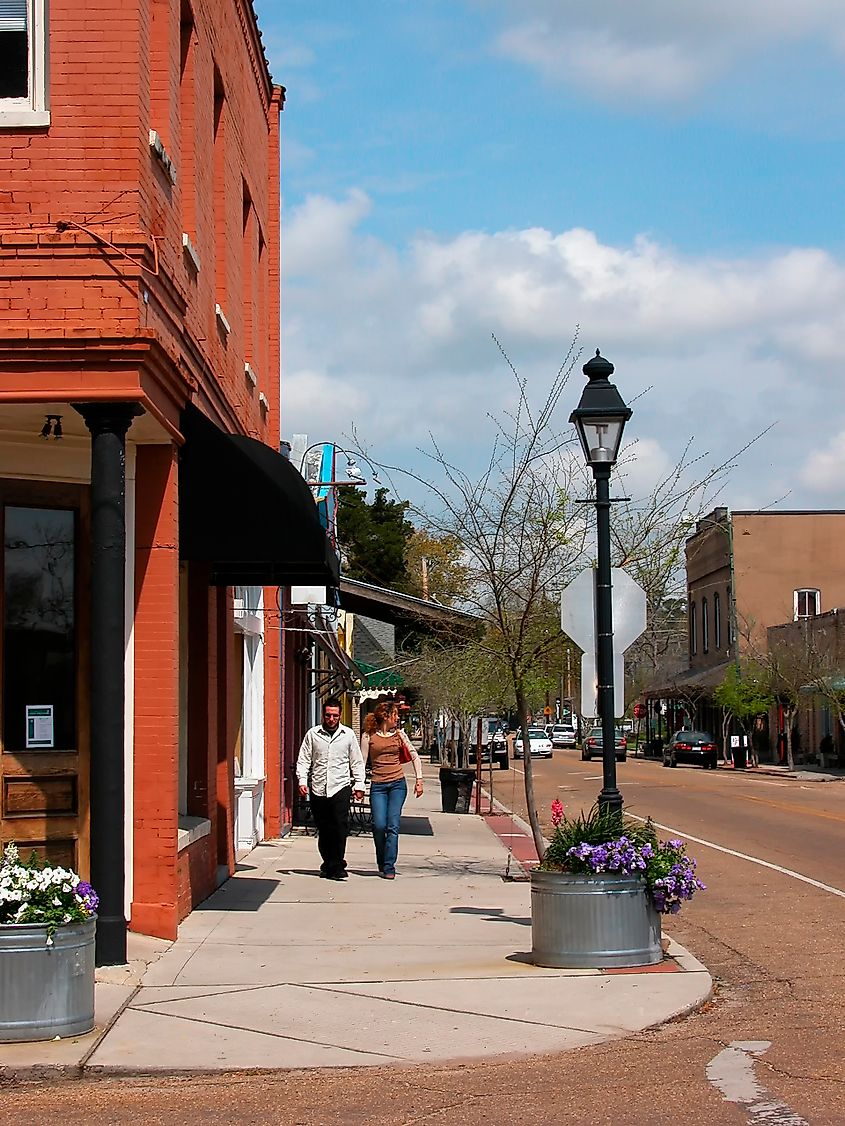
(593, 921)
(46, 991)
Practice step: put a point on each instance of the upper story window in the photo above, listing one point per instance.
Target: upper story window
(693, 647)
(807, 603)
(23, 63)
(705, 626)
(717, 621)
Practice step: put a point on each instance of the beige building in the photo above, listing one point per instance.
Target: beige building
(747, 571)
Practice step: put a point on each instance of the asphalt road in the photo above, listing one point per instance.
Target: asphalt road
(774, 944)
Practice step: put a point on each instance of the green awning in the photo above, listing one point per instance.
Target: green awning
(375, 677)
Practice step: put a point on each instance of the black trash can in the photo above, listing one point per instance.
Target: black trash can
(456, 789)
(740, 755)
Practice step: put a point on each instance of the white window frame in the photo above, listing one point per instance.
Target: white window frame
(249, 623)
(796, 600)
(32, 111)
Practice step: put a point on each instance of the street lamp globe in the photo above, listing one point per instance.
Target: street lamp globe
(601, 415)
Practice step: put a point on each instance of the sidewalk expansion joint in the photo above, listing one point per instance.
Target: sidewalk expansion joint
(273, 1035)
(464, 1012)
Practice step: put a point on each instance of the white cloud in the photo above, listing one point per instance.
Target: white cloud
(824, 469)
(399, 342)
(657, 49)
(320, 232)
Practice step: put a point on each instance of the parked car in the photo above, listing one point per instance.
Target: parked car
(594, 743)
(541, 744)
(697, 747)
(562, 735)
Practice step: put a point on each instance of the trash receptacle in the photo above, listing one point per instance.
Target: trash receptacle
(456, 789)
(740, 756)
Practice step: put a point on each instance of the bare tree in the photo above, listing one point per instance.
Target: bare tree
(523, 535)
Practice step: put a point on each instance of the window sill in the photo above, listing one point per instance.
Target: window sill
(192, 829)
(24, 118)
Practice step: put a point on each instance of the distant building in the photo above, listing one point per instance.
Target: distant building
(746, 572)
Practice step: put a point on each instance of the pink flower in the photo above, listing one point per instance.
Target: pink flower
(557, 812)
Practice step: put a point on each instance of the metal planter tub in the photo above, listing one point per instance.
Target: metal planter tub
(46, 991)
(593, 921)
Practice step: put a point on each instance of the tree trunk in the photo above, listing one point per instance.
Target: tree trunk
(531, 804)
(790, 758)
(726, 723)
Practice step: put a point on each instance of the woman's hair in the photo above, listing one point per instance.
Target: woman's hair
(379, 714)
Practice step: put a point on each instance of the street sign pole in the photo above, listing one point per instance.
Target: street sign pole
(610, 799)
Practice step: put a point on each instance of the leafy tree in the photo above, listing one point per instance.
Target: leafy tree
(372, 537)
(433, 568)
(794, 666)
(744, 694)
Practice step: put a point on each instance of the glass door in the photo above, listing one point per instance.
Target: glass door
(43, 671)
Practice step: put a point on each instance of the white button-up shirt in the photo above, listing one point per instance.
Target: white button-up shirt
(326, 763)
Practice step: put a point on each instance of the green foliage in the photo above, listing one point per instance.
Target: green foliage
(744, 695)
(373, 538)
(434, 568)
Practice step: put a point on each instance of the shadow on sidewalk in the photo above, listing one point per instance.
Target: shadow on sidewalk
(492, 915)
(416, 827)
(240, 893)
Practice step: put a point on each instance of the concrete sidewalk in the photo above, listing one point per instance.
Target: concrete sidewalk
(280, 969)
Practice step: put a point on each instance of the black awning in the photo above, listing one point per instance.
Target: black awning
(245, 510)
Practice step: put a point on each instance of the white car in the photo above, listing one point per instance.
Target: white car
(563, 735)
(541, 744)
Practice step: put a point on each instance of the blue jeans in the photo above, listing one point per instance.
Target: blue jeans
(386, 801)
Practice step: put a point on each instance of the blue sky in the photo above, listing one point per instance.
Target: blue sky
(669, 176)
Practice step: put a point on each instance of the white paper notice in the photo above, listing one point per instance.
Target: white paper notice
(39, 726)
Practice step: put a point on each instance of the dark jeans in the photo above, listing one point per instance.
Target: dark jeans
(331, 816)
(386, 801)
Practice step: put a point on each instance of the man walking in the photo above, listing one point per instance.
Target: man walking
(330, 763)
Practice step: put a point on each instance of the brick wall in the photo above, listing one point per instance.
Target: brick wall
(118, 71)
(156, 767)
(197, 875)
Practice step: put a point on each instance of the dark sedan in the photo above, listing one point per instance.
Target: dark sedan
(594, 741)
(696, 747)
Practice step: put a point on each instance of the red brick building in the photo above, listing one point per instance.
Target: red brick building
(143, 550)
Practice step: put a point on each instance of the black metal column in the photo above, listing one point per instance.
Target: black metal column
(108, 423)
(610, 798)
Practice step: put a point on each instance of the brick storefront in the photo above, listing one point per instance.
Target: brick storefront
(139, 280)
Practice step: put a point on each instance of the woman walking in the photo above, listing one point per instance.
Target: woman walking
(388, 747)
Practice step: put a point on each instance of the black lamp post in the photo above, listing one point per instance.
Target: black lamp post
(600, 418)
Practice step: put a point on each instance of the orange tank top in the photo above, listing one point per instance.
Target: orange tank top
(384, 757)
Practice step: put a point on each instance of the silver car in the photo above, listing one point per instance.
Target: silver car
(541, 744)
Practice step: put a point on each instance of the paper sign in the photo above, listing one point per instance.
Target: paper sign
(39, 726)
(734, 740)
